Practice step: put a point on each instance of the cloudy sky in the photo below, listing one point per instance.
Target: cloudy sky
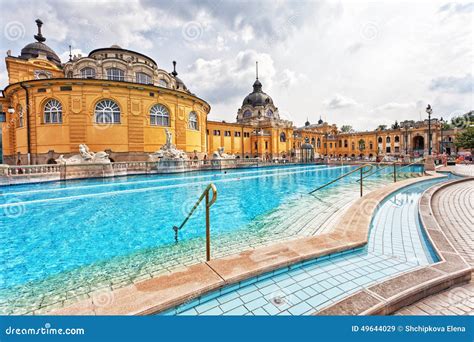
(351, 62)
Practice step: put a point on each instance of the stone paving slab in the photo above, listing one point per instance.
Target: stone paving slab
(453, 208)
(408, 288)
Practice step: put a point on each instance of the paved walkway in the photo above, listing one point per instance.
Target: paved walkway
(452, 207)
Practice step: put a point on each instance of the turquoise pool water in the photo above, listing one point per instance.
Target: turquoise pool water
(397, 243)
(70, 232)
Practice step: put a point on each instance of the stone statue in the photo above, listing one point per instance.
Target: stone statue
(219, 154)
(85, 156)
(168, 150)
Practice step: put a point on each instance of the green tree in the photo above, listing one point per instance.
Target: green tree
(346, 128)
(465, 139)
(361, 145)
(396, 125)
(381, 127)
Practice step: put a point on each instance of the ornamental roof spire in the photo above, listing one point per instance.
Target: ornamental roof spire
(39, 37)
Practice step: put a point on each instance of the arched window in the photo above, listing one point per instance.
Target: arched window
(163, 83)
(20, 116)
(107, 111)
(313, 141)
(115, 74)
(247, 114)
(340, 143)
(143, 78)
(370, 145)
(319, 143)
(380, 140)
(193, 121)
(69, 74)
(159, 116)
(397, 138)
(53, 112)
(88, 72)
(387, 140)
(269, 113)
(282, 137)
(345, 143)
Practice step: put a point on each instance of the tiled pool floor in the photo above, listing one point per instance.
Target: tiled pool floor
(303, 216)
(396, 244)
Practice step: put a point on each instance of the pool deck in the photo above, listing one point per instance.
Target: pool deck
(162, 292)
(452, 207)
(401, 291)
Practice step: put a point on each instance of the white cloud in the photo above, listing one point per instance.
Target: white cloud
(339, 101)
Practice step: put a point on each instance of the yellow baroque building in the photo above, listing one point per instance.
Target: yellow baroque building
(121, 102)
(114, 99)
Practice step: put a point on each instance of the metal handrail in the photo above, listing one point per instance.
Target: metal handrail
(416, 162)
(379, 169)
(362, 172)
(205, 194)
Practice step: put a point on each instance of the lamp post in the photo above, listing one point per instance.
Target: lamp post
(326, 134)
(406, 139)
(441, 145)
(429, 110)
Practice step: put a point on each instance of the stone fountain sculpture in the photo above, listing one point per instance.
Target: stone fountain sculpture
(85, 156)
(168, 151)
(219, 154)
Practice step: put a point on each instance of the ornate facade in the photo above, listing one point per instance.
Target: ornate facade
(121, 102)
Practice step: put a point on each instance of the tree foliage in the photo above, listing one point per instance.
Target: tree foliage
(465, 139)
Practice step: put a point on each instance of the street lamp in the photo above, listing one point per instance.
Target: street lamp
(406, 139)
(441, 145)
(429, 111)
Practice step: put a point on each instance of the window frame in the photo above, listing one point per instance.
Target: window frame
(112, 77)
(85, 75)
(55, 111)
(193, 121)
(159, 112)
(102, 114)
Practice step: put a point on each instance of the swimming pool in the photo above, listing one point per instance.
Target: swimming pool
(62, 239)
(397, 243)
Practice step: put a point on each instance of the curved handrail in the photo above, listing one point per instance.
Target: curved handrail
(360, 168)
(416, 162)
(209, 203)
(378, 170)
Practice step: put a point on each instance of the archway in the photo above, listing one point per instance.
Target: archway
(418, 144)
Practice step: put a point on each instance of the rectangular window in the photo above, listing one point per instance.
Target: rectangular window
(217, 132)
(246, 134)
(266, 145)
(143, 78)
(256, 145)
(115, 74)
(227, 133)
(236, 134)
(65, 88)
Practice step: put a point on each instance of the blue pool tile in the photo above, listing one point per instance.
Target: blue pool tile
(348, 286)
(238, 311)
(260, 312)
(300, 309)
(247, 289)
(186, 306)
(230, 288)
(307, 282)
(227, 297)
(302, 295)
(213, 312)
(317, 300)
(206, 306)
(292, 288)
(271, 309)
(190, 312)
(251, 296)
(269, 289)
(251, 306)
(231, 304)
(264, 283)
(208, 297)
(332, 293)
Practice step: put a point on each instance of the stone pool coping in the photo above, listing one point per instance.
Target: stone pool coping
(183, 285)
(393, 294)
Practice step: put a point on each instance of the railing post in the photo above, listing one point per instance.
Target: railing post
(394, 172)
(208, 229)
(361, 186)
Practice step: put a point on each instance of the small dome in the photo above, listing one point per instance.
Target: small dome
(115, 46)
(33, 50)
(257, 97)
